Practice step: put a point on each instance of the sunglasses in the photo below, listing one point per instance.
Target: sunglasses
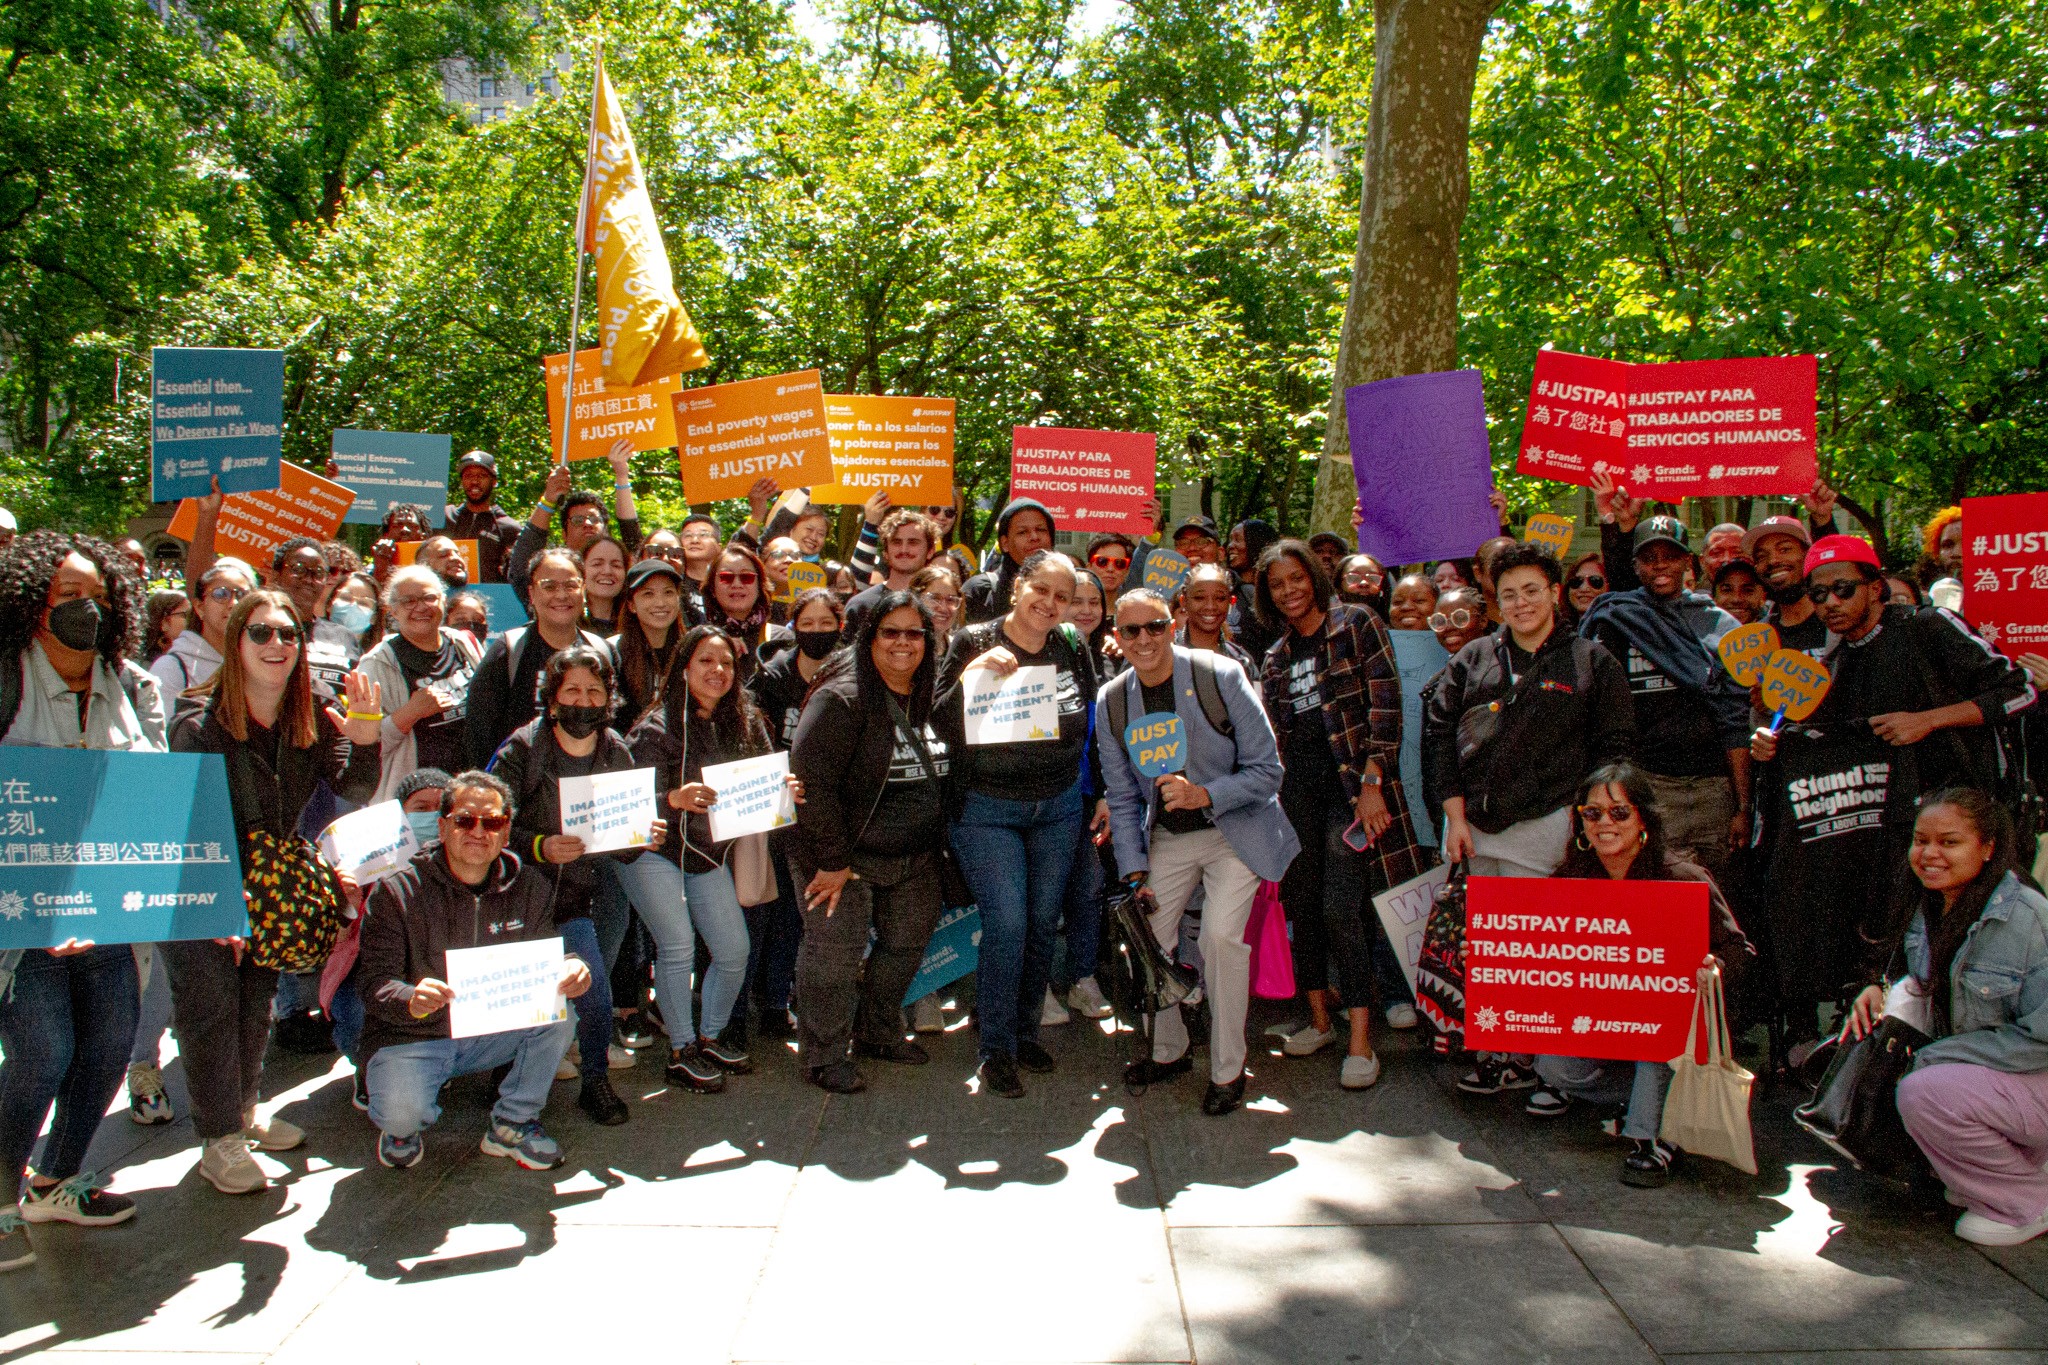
(1841, 590)
(1109, 562)
(1155, 629)
(737, 580)
(672, 553)
(1593, 815)
(490, 824)
(310, 573)
(264, 634)
(1589, 580)
(892, 634)
(225, 593)
(1458, 619)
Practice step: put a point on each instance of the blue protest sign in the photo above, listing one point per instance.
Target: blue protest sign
(116, 848)
(503, 604)
(1157, 744)
(214, 413)
(388, 467)
(1418, 657)
(1165, 571)
(953, 951)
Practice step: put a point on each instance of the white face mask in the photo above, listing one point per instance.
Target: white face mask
(353, 617)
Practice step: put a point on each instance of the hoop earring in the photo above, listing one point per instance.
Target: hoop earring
(1581, 842)
(1642, 837)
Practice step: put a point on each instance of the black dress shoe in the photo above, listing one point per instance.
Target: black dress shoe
(1149, 1072)
(601, 1102)
(1034, 1058)
(1221, 1099)
(999, 1077)
(841, 1078)
(902, 1053)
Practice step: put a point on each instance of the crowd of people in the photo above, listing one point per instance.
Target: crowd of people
(1583, 726)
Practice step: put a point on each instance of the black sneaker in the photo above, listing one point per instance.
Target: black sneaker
(309, 1032)
(1490, 1077)
(999, 1077)
(901, 1053)
(1149, 1072)
(601, 1102)
(841, 1078)
(360, 1096)
(632, 1031)
(1221, 1099)
(1648, 1164)
(691, 1069)
(1033, 1057)
(83, 1199)
(725, 1055)
(774, 1026)
(1545, 1103)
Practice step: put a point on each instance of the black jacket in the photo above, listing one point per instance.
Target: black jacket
(779, 690)
(1569, 713)
(492, 528)
(678, 753)
(270, 785)
(841, 753)
(417, 914)
(986, 595)
(529, 762)
(494, 712)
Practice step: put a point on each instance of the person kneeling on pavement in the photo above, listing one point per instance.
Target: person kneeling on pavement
(466, 891)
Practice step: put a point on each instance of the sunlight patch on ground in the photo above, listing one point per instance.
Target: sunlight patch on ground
(468, 1239)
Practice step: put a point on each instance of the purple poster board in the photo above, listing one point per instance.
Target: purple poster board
(1418, 447)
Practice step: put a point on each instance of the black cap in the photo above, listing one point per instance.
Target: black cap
(478, 459)
(1661, 528)
(1202, 524)
(648, 568)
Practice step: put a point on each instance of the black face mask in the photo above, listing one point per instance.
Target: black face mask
(581, 722)
(816, 644)
(80, 624)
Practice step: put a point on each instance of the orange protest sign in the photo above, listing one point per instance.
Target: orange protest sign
(1551, 531)
(1745, 649)
(730, 435)
(604, 412)
(409, 552)
(1794, 683)
(251, 525)
(899, 446)
(804, 576)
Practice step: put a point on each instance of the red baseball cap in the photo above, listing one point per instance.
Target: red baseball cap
(1841, 550)
(1775, 526)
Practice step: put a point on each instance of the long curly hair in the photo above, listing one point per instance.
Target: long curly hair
(26, 569)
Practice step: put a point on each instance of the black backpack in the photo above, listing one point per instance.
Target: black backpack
(1207, 691)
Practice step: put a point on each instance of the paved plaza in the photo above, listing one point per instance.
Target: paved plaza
(919, 1222)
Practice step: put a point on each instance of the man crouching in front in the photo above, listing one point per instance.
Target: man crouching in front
(460, 891)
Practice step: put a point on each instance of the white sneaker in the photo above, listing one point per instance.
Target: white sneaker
(227, 1163)
(1402, 1016)
(1309, 1041)
(617, 1059)
(1084, 997)
(1989, 1232)
(926, 1016)
(273, 1136)
(571, 1065)
(1359, 1072)
(1054, 1012)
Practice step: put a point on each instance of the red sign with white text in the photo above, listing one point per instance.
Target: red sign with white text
(1089, 480)
(1582, 968)
(2005, 571)
(1681, 429)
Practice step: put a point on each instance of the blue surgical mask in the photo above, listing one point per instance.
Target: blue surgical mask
(353, 617)
(426, 825)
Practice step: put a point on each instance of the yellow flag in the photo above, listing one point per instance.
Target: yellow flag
(646, 333)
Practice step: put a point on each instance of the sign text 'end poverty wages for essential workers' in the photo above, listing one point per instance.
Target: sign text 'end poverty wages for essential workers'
(728, 436)
(1089, 480)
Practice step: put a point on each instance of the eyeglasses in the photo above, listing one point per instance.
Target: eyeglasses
(427, 599)
(700, 534)
(1841, 590)
(891, 634)
(1509, 599)
(490, 824)
(226, 593)
(557, 584)
(948, 600)
(1589, 580)
(1457, 619)
(1593, 815)
(1109, 561)
(595, 521)
(263, 634)
(737, 580)
(311, 573)
(1155, 629)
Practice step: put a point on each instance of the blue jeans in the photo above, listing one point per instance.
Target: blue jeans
(676, 907)
(346, 1011)
(406, 1078)
(65, 1031)
(1082, 907)
(154, 1017)
(1639, 1085)
(1016, 856)
(593, 1008)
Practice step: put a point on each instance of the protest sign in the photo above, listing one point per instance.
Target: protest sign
(899, 446)
(953, 950)
(116, 847)
(642, 413)
(1793, 684)
(2005, 571)
(1683, 428)
(501, 601)
(1089, 480)
(1551, 532)
(1418, 657)
(505, 986)
(386, 468)
(214, 414)
(1582, 968)
(1745, 649)
(1165, 571)
(372, 843)
(1157, 744)
(730, 435)
(753, 796)
(610, 810)
(1404, 911)
(251, 525)
(803, 576)
(408, 552)
(1013, 708)
(1424, 470)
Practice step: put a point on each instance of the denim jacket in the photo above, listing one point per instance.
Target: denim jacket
(1998, 997)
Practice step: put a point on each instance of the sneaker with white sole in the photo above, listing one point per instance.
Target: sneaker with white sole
(1545, 1103)
(1402, 1016)
(1084, 998)
(227, 1165)
(400, 1153)
(618, 1058)
(525, 1143)
(147, 1103)
(1053, 1012)
(1989, 1232)
(926, 1015)
(15, 1252)
(1308, 1041)
(571, 1065)
(1358, 1073)
(1493, 1075)
(271, 1135)
(83, 1199)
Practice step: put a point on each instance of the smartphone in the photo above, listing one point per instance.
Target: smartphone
(1356, 839)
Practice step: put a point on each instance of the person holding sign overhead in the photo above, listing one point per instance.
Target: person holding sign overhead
(583, 518)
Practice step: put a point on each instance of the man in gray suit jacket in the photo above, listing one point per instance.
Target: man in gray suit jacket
(1214, 821)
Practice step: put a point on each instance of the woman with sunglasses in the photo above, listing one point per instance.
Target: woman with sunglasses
(195, 655)
(604, 579)
(1111, 555)
(423, 671)
(705, 717)
(739, 605)
(280, 746)
(1617, 832)
(1584, 581)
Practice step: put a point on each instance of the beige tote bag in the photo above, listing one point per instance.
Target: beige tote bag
(1707, 1110)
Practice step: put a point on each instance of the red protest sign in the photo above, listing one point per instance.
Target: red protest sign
(1581, 968)
(1088, 480)
(1681, 429)
(2005, 570)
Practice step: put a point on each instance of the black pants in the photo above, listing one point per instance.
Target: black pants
(222, 1014)
(836, 1000)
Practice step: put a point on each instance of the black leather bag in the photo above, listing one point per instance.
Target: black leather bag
(1856, 1109)
(1143, 980)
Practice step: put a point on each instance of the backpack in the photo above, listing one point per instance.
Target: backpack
(131, 676)
(1208, 692)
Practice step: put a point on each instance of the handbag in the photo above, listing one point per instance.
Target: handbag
(1143, 980)
(1706, 1111)
(1855, 1110)
(296, 904)
(1272, 951)
(1440, 967)
(753, 871)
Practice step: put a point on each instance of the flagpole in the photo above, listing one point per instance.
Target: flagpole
(582, 222)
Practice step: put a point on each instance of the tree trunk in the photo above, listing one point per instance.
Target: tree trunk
(1402, 315)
